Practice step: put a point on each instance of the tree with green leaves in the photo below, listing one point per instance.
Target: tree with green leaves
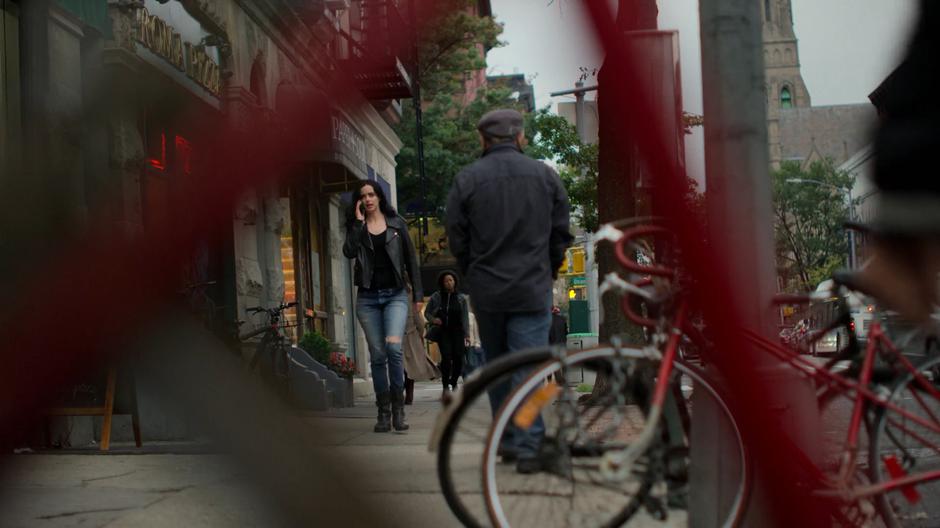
(552, 137)
(810, 207)
(450, 143)
(450, 51)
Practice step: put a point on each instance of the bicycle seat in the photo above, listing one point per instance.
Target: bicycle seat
(850, 279)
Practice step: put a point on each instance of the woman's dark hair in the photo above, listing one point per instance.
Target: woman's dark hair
(384, 205)
(440, 279)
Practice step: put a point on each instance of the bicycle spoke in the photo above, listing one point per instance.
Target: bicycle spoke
(927, 443)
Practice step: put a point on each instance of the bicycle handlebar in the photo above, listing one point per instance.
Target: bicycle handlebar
(627, 262)
(801, 298)
(628, 310)
(281, 308)
(790, 298)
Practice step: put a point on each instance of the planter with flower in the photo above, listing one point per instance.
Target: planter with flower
(345, 368)
(332, 366)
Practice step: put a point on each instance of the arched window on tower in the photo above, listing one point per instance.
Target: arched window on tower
(767, 10)
(786, 98)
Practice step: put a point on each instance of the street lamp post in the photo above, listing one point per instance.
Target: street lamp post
(847, 195)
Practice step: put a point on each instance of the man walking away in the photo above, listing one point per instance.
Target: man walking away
(507, 223)
(558, 335)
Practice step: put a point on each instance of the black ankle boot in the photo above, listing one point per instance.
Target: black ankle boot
(398, 411)
(383, 401)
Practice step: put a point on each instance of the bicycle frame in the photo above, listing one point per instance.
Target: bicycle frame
(863, 397)
(617, 464)
(858, 391)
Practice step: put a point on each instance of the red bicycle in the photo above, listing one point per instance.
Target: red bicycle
(637, 439)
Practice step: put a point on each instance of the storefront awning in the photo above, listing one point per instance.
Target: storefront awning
(336, 147)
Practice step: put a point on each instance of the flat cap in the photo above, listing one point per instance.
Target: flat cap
(502, 123)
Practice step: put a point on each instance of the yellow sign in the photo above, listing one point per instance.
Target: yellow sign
(574, 261)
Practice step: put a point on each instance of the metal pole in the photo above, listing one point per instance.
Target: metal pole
(740, 224)
(579, 110)
(590, 268)
(853, 263)
(419, 135)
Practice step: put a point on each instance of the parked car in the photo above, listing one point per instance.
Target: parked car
(821, 314)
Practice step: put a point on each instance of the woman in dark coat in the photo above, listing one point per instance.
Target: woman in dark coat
(449, 309)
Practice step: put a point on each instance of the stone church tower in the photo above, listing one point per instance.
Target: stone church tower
(783, 81)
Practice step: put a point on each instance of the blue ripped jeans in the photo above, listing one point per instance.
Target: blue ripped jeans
(503, 333)
(382, 314)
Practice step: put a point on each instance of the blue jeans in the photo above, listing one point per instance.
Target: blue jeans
(382, 314)
(502, 333)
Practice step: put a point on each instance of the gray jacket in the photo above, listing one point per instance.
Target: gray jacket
(400, 250)
(507, 224)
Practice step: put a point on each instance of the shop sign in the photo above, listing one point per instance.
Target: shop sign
(577, 281)
(349, 141)
(177, 38)
(347, 136)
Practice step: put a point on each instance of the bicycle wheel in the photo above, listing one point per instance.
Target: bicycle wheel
(908, 444)
(461, 432)
(576, 484)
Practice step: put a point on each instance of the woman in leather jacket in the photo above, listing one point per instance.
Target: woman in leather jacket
(378, 240)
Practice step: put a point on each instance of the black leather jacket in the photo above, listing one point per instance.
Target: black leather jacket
(400, 250)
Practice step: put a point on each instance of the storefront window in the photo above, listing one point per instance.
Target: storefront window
(290, 280)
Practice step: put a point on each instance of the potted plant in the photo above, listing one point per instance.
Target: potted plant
(345, 368)
(332, 365)
(318, 346)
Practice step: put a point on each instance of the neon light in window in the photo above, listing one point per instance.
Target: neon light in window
(185, 151)
(160, 164)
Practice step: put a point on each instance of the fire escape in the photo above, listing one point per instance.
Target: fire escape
(380, 50)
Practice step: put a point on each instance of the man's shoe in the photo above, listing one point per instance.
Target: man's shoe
(507, 455)
(528, 466)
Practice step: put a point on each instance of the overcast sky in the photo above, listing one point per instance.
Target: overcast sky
(846, 48)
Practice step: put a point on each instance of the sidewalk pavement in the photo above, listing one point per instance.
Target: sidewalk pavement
(188, 485)
(182, 486)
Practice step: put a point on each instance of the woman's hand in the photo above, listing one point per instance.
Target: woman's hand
(466, 341)
(418, 306)
(359, 215)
